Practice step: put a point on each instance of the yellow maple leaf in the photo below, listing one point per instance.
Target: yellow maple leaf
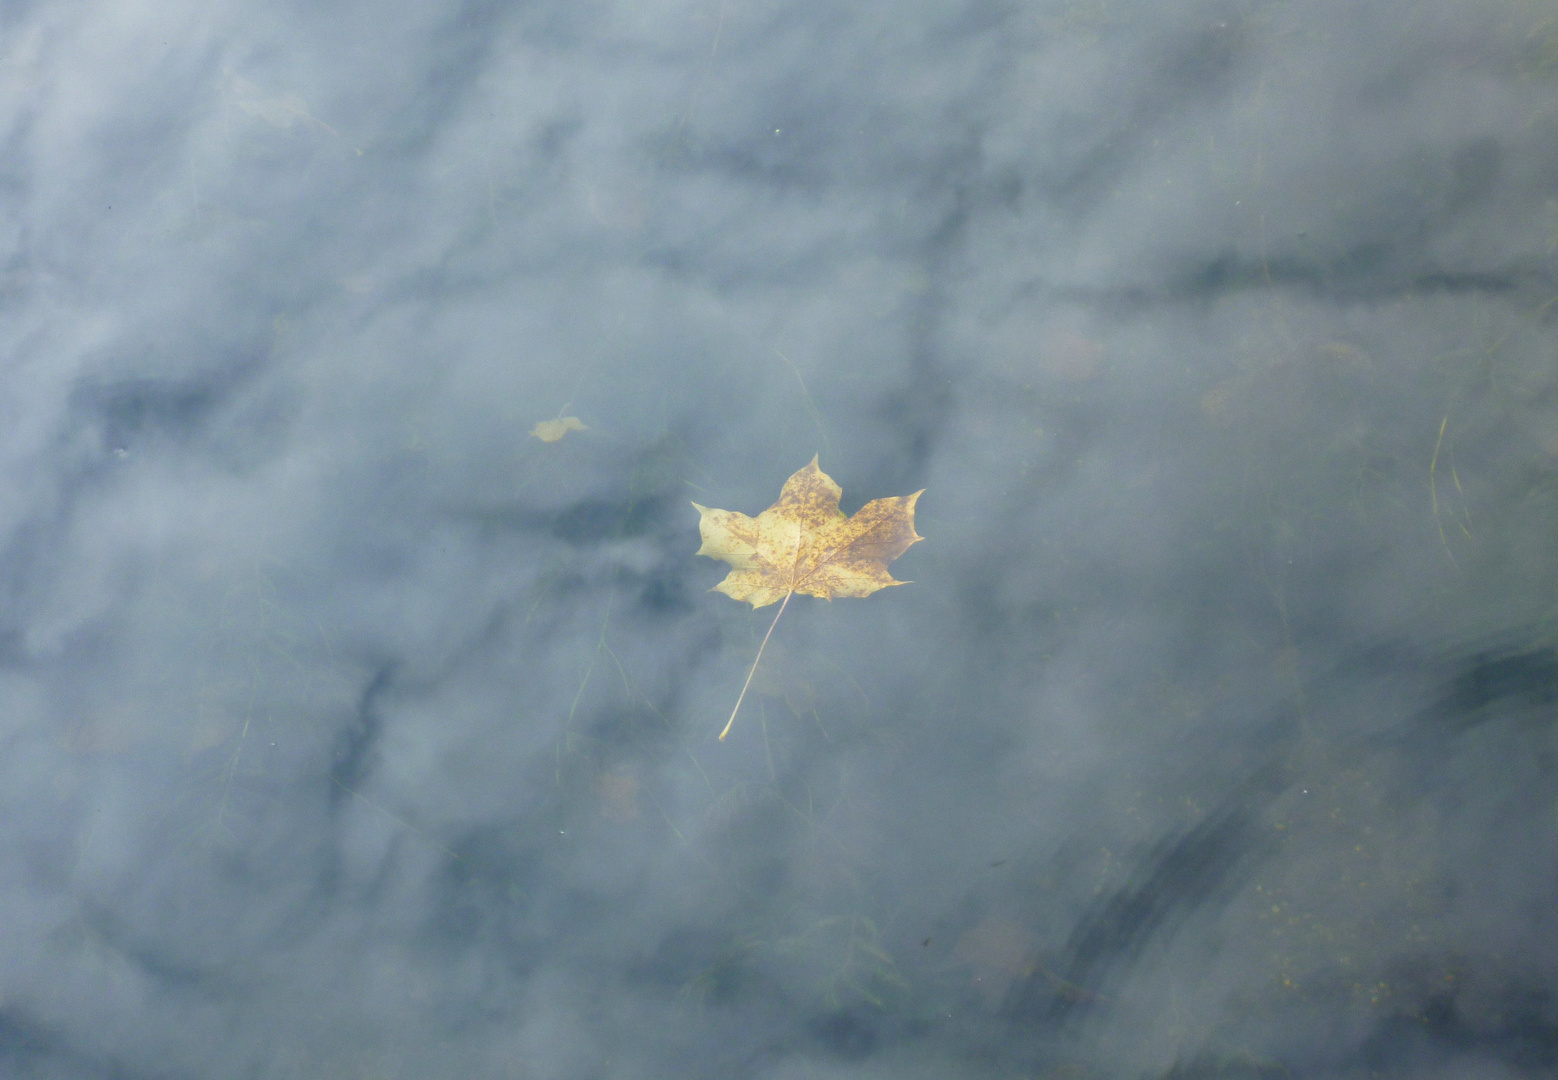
(804, 544)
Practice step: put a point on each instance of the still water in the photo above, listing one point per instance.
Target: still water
(360, 684)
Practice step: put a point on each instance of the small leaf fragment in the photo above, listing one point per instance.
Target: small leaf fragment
(549, 431)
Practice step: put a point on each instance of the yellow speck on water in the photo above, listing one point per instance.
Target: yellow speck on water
(549, 431)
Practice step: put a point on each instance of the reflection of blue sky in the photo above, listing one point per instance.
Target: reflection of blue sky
(352, 730)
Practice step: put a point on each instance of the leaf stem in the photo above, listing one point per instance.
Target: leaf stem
(753, 672)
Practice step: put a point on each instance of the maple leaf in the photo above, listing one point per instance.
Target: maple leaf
(804, 544)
